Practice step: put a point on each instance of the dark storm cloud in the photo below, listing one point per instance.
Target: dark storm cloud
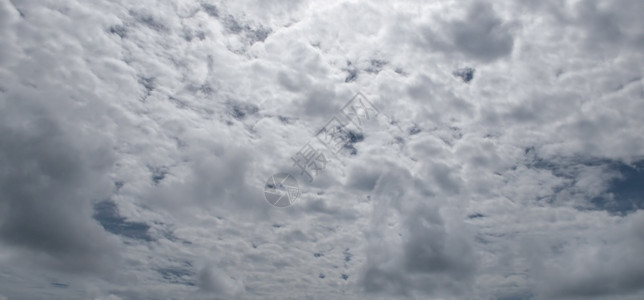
(424, 253)
(48, 181)
(429, 259)
(362, 178)
(611, 24)
(427, 249)
(481, 34)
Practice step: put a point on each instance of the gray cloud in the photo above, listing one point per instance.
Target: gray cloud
(410, 247)
(481, 34)
(216, 281)
(135, 142)
(51, 174)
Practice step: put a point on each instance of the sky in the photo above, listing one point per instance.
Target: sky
(502, 158)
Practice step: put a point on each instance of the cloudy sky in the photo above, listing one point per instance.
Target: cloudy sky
(506, 160)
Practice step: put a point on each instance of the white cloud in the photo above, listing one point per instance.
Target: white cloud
(176, 112)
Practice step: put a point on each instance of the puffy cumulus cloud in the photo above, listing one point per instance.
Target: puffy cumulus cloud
(603, 264)
(569, 256)
(480, 34)
(136, 139)
(51, 175)
(55, 155)
(213, 280)
(606, 27)
(416, 245)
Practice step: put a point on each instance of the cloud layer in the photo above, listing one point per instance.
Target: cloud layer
(506, 162)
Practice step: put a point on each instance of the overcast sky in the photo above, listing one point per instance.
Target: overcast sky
(506, 160)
